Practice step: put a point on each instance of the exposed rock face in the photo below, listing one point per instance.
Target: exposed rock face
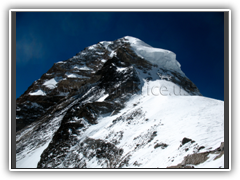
(186, 140)
(198, 158)
(65, 109)
(65, 79)
(106, 154)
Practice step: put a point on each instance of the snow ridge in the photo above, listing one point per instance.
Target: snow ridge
(163, 58)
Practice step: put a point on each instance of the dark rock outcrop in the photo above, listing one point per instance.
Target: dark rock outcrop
(198, 158)
(162, 145)
(186, 140)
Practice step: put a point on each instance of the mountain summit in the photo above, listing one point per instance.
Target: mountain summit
(118, 104)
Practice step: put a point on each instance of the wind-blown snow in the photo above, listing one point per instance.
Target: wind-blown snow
(163, 58)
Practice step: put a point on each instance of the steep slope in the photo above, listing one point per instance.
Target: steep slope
(118, 104)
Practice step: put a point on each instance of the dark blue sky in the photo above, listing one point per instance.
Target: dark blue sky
(197, 38)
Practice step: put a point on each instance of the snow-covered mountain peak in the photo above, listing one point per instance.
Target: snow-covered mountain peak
(163, 58)
(117, 104)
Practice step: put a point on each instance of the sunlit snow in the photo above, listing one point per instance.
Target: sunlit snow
(164, 58)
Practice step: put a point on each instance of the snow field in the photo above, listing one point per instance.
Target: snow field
(173, 118)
